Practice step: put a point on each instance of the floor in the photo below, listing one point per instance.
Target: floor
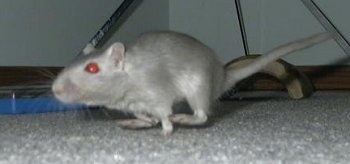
(263, 127)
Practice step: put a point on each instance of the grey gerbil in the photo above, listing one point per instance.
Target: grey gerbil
(158, 69)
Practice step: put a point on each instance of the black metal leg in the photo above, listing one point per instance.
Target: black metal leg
(96, 39)
(242, 27)
(328, 25)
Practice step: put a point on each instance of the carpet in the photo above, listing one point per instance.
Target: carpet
(257, 127)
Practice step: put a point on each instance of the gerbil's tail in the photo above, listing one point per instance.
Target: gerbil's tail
(234, 76)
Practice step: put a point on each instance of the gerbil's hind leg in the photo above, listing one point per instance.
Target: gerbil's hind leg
(164, 111)
(186, 119)
(167, 126)
(200, 105)
(141, 121)
(146, 121)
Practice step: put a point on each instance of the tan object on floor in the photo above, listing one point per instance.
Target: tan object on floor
(296, 83)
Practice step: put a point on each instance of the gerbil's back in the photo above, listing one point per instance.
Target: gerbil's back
(172, 49)
(177, 59)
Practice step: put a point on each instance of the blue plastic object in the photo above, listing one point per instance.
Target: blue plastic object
(32, 99)
(35, 105)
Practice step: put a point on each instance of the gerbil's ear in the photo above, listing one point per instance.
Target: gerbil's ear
(116, 52)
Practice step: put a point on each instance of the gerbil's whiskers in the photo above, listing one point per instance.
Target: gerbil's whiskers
(47, 73)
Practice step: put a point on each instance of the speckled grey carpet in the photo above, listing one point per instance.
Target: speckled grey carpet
(260, 128)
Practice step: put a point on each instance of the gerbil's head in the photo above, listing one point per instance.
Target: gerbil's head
(97, 78)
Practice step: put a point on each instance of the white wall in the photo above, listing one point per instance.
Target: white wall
(150, 15)
(273, 22)
(269, 23)
(51, 33)
(214, 22)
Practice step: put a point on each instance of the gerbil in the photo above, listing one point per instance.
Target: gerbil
(155, 71)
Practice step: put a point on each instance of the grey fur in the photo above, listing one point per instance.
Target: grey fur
(149, 75)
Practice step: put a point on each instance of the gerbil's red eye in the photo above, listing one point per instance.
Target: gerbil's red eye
(92, 68)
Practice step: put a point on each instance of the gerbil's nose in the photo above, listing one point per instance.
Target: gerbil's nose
(57, 89)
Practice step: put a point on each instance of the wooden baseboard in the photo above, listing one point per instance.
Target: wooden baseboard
(27, 76)
(322, 77)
